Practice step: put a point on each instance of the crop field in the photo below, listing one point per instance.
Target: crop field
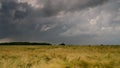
(59, 56)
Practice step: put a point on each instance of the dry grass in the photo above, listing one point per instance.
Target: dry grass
(59, 56)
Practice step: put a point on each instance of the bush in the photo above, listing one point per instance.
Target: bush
(62, 44)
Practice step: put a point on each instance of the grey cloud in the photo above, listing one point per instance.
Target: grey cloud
(53, 7)
(9, 13)
(71, 21)
(99, 21)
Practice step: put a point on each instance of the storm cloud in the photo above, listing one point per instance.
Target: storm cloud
(69, 21)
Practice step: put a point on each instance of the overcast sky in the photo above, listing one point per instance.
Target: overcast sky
(56, 21)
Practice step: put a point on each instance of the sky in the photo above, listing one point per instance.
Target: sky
(57, 21)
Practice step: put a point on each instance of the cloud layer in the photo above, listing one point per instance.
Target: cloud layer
(69, 21)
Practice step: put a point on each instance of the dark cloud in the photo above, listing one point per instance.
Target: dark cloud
(71, 21)
(10, 13)
(53, 7)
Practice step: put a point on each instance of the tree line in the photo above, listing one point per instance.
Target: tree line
(25, 43)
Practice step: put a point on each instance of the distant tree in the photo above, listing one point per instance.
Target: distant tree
(101, 45)
(63, 44)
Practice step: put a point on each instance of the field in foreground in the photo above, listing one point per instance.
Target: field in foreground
(59, 56)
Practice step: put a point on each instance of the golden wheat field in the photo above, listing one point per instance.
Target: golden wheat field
(59, 56)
